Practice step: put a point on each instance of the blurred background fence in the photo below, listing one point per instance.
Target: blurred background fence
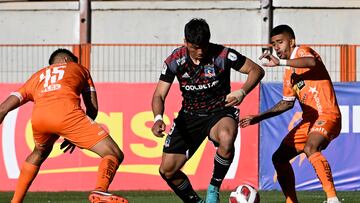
(143, 62)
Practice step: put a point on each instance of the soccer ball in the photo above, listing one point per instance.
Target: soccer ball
(244, 194)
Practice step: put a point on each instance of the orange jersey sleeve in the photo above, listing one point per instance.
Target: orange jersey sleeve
(26, 92)
(311, 86)
(58, 81)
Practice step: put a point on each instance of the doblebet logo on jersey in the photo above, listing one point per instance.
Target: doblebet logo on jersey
(200, 86)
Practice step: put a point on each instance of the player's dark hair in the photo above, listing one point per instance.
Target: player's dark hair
(280, 29)
(197, 31)
(62, 51)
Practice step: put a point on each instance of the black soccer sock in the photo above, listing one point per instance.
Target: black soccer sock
(221, 167)
(184, 190)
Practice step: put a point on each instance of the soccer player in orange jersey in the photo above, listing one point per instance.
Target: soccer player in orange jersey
(307, 80)
(55, 91)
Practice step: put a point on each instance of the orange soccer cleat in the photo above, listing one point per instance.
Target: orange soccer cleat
(104, 197)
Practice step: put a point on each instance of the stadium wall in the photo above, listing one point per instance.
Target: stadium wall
(118, 25)
(315, 22)
(39, 22)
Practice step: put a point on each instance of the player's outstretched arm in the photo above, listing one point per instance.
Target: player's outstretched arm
(278, 109)
(249, 120)
(303, 62)
(255, 74)
(12, 102)
(158, 101)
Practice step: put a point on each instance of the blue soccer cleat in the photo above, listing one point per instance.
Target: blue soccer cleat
(213, 194)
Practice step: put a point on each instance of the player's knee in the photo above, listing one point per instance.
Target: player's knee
(116, 152)
(226, 142)
(39, 155)
(120, 156)
(165, 175)
(310, 149)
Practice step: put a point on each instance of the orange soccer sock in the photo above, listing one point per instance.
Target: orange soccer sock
(106, 172)
(27, 175)
(286, 178)
(323, 171)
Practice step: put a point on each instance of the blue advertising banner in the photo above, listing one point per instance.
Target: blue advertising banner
(342, 153)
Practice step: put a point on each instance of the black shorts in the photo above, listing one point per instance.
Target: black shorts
(189, 130)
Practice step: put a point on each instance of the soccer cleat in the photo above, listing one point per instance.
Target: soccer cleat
(212, 195)
(104, 197)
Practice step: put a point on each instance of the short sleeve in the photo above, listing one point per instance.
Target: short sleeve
(234, 59)
(26, 92)
(167, 75)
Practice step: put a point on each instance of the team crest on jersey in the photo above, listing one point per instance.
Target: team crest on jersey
(320, 122)
(167, 141)
(301, 52)
(209, 71)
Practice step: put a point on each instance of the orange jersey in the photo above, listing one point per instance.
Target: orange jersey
(311, 86)
(56, 82)
(55, 91)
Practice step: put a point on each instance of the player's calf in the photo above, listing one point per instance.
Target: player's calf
(184, 190)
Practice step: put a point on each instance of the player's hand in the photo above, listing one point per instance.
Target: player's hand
(158, 128)
(235, 98)
(248, 120)
(68, 146)
(273, 61)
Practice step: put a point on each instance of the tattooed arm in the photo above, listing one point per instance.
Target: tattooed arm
(278, 109)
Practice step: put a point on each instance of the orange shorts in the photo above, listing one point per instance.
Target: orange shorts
(68, 120)
(297, 137)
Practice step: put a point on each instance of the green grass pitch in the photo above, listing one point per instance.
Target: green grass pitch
(169, 197)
